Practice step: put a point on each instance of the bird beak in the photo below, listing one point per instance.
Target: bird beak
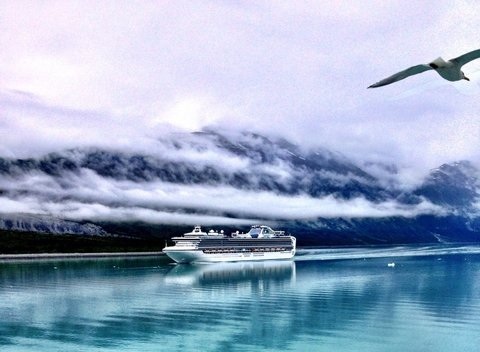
(466, 78)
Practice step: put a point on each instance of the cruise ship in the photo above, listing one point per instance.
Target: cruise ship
(260, 243)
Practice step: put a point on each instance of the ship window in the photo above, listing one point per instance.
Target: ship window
(255, 231)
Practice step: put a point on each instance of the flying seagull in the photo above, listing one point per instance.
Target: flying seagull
(450, 70)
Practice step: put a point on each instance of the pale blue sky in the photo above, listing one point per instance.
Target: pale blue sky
(114, 72)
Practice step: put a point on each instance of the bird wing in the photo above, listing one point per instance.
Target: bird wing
(401, 75)
(466, 58)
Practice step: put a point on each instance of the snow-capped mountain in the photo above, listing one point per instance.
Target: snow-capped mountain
(257, 163)
(232, 180)
(48, 224)
(455, 185)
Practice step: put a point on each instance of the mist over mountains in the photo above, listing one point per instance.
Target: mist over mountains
(233, 180)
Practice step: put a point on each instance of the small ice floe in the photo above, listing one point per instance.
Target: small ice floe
(391, 265)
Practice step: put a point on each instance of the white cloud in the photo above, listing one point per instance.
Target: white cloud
(115, 74)
(88, 196)
(193, 113)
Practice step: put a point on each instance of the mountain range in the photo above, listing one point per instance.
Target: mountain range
(231, 180)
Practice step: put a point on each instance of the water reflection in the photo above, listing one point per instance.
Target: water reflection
(232, 273)
(304, 305)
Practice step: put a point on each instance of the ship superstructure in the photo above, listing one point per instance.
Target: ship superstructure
(260, 243)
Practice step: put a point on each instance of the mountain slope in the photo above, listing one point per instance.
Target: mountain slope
(232, 180)
(454, 185)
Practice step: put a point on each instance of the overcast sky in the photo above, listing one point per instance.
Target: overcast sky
(117, 72)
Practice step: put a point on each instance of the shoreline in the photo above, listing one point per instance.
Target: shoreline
(33, 256)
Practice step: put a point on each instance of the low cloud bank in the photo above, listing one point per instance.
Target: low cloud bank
(88, 196)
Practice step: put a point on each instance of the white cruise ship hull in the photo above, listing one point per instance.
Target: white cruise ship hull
(260, 243)
(198, 256)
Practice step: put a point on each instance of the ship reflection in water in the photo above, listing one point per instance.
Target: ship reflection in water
(237, 273)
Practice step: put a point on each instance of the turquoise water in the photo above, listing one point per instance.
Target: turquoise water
(325, 300)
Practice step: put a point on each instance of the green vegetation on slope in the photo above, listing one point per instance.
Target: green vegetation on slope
(16, 242)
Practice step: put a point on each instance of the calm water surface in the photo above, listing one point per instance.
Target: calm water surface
(430, 301)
